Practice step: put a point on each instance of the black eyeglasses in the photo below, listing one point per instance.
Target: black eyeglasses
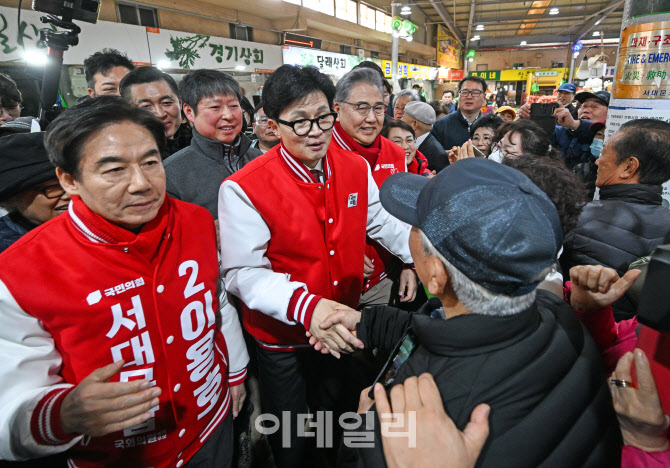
(302, 127)
(51, 191)
(467, 92)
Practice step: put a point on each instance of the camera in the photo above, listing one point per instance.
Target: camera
(80, 10)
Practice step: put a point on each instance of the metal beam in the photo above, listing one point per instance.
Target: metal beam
(444, 15)
(472, 17)
(583, 27)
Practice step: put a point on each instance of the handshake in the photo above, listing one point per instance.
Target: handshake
(333, 328)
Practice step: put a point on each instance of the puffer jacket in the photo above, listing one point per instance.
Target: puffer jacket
(539, 371)
(628, 222)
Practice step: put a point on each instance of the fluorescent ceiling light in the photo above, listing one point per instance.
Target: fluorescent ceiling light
(596, 33)
(553, 11)
(480, 27)
(524, 43)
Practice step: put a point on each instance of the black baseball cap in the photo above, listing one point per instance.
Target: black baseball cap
(24, 163)
(603, 96)
(488, 220)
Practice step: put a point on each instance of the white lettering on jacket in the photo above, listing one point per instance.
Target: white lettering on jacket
(197, 320)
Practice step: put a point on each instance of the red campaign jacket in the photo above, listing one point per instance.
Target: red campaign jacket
(101, 294)
(419, 165)
(391, 159)
(324, 251)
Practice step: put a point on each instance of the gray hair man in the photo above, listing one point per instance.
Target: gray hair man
(359, 103)
(421, 117)
(483, 237)
(401, 100)
(266, 137)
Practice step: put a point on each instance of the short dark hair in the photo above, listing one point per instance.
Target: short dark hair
(491, 121)
(439, 107)
(10, 96)
(534, 140)
(204, 83)
(564, 189)
(103, 61)
(68, 133)
(392, 123)
(448, 91)
(292, 82)
(416, 86)
(501, 132)
(476, 79)
(647, 141)
(143, 75)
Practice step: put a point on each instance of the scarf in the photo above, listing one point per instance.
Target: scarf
(369, 153)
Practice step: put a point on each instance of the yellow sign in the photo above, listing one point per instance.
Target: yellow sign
(448, 49)
(644, 62)
(406, 70)
(515, 75)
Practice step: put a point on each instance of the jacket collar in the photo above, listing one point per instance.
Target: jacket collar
(98, 230)
(214, 149)
(344, 141)
(472, 334)
(298, 170)
(643, 194)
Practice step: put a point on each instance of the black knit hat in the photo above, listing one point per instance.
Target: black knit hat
(24, 163)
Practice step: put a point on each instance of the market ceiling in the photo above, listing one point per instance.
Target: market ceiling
(501, 23)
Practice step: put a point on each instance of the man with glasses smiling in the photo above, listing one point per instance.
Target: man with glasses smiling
(360, 107)
(265, 134)
(293, 225)
(454, 129)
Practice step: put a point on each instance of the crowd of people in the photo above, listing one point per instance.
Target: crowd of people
(166, 244)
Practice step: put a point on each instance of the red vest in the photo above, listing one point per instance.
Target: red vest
(106, 294)
(317, 231)
(391, 159)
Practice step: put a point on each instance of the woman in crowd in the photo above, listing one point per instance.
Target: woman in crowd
(523, 137)
(440, 109)
(402, 135)
(482, 132)
(29, 189)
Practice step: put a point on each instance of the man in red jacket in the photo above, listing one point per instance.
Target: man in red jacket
(293, 224)
(360, 106)
(112, 343)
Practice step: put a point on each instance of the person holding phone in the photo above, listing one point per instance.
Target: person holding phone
(483, 238)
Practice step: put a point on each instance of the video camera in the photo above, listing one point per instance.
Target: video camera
(61, 14)
(80, 10)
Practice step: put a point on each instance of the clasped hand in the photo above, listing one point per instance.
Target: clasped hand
(332, 336)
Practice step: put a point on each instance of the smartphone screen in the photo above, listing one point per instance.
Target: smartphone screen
(402, 351)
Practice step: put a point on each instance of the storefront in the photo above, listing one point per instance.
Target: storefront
(175, 52)
(332, 64)
(410, 74)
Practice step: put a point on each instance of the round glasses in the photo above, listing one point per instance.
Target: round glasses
(51, 191)
(302, 127)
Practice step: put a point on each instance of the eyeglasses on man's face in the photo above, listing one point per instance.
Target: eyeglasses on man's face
(363, 108)
(473, 93)
(302, 127)
(51, 191)
(262, 122)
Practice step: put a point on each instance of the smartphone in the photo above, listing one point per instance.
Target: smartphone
(478, 153)
(543, 115)
(401, 353)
